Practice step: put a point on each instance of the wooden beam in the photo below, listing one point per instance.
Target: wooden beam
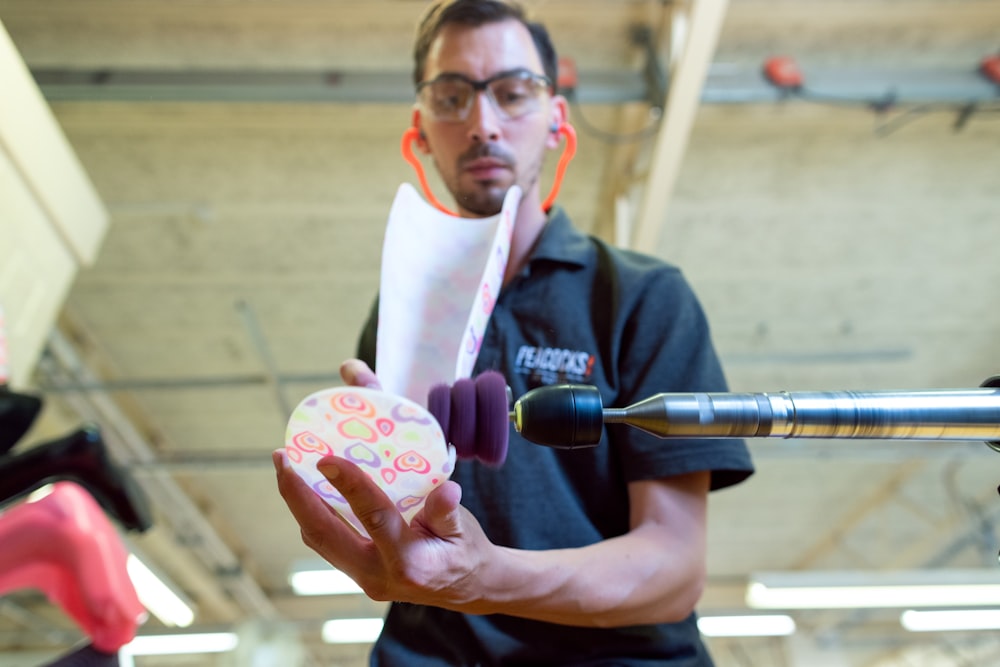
(623, 174)
(704, 21)
(619, 174)
(36, 146)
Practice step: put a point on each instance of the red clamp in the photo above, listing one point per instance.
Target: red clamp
(783, 72)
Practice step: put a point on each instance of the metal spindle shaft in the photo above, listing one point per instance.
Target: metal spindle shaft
(571, 416)
(933, 415)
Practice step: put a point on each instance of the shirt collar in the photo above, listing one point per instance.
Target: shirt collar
(560, 241)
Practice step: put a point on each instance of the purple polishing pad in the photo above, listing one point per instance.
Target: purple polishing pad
(492, 418)
(462, 426)
(439, 405)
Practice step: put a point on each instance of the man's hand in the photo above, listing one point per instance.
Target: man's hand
(436, 560)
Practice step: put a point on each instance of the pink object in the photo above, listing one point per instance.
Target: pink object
(396, 441)
(65, 546)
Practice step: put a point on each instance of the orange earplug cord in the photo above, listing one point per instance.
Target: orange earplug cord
(412, 134)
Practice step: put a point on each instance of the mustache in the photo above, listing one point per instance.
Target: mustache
(480, 151)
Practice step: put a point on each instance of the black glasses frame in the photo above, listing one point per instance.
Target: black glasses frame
(484, 84)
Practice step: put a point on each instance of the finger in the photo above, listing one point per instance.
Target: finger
(323, 530)
(306, 506)
(442, 513)
(373, 508)
(356, 373)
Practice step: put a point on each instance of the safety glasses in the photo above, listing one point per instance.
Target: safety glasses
(449, 97)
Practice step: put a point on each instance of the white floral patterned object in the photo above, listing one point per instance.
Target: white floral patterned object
(396, 441)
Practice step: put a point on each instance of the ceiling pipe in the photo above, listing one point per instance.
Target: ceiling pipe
(726, 83)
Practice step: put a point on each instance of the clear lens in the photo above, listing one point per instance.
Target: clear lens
(450, 97)
(517, 94)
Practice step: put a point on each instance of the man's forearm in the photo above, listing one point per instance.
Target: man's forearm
(642, 577)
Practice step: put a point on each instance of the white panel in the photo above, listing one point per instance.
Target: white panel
(36, 270)
(51, 219)
(37, 147)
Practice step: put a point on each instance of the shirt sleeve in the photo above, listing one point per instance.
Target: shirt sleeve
(666, 346)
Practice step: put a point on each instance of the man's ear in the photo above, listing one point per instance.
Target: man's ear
(558, 117)
(421, 141)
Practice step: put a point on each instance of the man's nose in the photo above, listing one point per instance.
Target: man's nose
(484, 119)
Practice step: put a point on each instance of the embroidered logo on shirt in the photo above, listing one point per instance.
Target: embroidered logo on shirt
(553, 365)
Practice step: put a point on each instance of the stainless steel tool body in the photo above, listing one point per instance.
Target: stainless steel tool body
(570, 416)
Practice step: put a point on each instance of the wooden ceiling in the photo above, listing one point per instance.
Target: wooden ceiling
(834, 247)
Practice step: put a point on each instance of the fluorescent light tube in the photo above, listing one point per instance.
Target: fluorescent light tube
(209, 642)
(872, 590)
(157, 597)
(352, 630)
(747, 625)
(952, 619)
(317, 579)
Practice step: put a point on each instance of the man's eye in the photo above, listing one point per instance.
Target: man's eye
(512, 93)
(511, 97)
(447, 102)
(449, 96)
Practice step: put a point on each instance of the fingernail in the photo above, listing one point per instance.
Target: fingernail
(329, 470)
(278, 458)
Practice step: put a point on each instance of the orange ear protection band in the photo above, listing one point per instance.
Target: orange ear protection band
(412, 134)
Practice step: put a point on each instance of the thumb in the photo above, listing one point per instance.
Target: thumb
(356, 373)
(442, 513)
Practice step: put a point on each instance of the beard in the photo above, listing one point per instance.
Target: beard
(482, 201)
(483, 198)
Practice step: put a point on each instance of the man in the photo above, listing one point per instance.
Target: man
(592, 557)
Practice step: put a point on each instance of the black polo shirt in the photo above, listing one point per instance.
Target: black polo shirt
(581, 311)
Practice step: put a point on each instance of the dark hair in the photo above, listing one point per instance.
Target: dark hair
(474, 13)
